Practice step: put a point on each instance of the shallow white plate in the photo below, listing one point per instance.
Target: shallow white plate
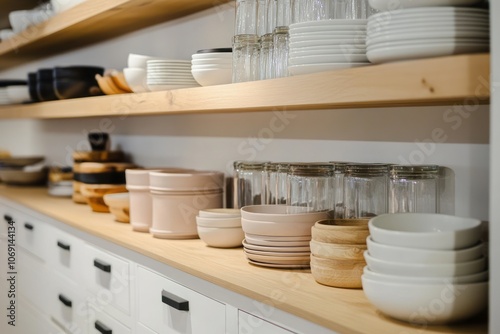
(279, 266)
(172, 82)
(390, 5)
(426, 28)
(276, 244)
(249, 246)
(436, 42)
(315, 68)
(443, 10)
(451, 35)
(405, 52)
(286, 255)
(330, 23)
(338, 42)
(328, 39)
(278, 259)
(307, 52)
(18, 94)
(167, 61)
(155, 88)
(349, 58)
(480, 21)
(357, 28)
(323, 34)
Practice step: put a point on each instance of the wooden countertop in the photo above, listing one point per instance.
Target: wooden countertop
(342, 310)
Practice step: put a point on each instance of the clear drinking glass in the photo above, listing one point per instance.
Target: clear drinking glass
(351, 9)
(262, 19)
(414, 188)
(247, 182)
(365, 190)
(283, 13)
(246, 20)
(281, 40)
(245, 58)
(266, 70)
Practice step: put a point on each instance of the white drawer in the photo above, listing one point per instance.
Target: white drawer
(66, 304)
(101, 323)
(141, 329)
(250, 324)
(31, 321)
(203, 315)
(108, 278)
(34, 280)
(32, 234)
(65, 254)
(4, 218)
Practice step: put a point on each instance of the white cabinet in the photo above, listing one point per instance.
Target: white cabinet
(250, 324)
(31, 234)
(101, 323)
(165, 306)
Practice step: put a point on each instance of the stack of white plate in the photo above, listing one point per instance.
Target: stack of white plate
(318, 46)
(426, 32)
(165, 74)
(14, 94)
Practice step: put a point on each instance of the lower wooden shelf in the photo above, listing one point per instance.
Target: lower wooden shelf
(341, 310)
(461, 79)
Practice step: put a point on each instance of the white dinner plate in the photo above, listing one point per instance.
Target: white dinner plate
(168, 61)
(315, 68)
(390, 5)
(406, 52)
(278, 238)
(453, 35)
(328, 23)
(323, 34)
(412, 12)
(359, 28)
(353, 37)
(172, 82)
(425, 28)
(170, 76)
(435, 41)
(249, 246)
(267, 243)
(285, 255)
(340, 42)
(307, 53)
(349, 58)
(280, 266)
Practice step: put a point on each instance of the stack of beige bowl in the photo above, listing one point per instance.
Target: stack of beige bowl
(220, 228)
(337, 248)
(426, 268)
(276, 238)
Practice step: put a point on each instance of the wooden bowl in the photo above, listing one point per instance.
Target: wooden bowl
(119, 206)
(337, 273)
(94, 194)
(337, 251)
(341, 231)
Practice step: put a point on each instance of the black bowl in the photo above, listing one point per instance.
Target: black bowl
(77, 72)
(215, 50)
(75, 88)
(32, 86)
(45, 87)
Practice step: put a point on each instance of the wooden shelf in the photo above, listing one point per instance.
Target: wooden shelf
(341, 310)
(445, 80)
(92, 21)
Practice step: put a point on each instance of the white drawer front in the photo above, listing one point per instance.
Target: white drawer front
(4, 218)
(32, 234)
(101, 323)
(205, 315)
(31, 321)
(65, 254)
(34, 281)
(250, 324)
(108, 278)
(141, 329)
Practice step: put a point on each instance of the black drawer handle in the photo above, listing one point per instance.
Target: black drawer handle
(63, 245)
(65, 300)
(174, 301)
(102, 265)
(102, 328)
(28, 226)
(7, 218)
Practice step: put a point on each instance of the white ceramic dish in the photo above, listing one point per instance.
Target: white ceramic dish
(186, 181)
(214, 76)
(465, 279)
(277, 228)
(326, 29)
(349, 58)
(135, 60)
(62, 5)
(136, 79)
(18, 94)
(212, 67)
(437, 43)
(279, 214)
(423, 256)
(220, 213)
(213, 61)
(425, 270)
(315, 68)
(218, 55)
(324, 52)
(431, 11)
(388, 5)
(279, 260)
(280, 266)
(414, 303)
(275, 249)
(418, 24)
(452, 36)
(171, 82)
(303, 239)
(326, 36)
(329, 23)
(277, 254)
(337, 41)
(221, 237)
(226, 222)
(425, 230)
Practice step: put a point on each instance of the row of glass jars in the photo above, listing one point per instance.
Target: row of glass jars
(346, 190)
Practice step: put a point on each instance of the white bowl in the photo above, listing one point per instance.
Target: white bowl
(211, 77)
(218, 222)
(425, 230)
(186, 181)
(425, 270)
(465, 279)
(426, 304)
(212, 61)
(417, 255)
(20, 20)
(280, 229)
(135, 60)
(136, 79)
(212, 66)
(279, 214)
(220, 213)
(221, 237)
(225, 55)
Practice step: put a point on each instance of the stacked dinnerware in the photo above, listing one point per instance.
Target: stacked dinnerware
(426, 268)
(337, 248)
(426, 32)
(275, 238)
(220, 228)
(14, 94)
(212, 66)
(166, 74)
(317, 46)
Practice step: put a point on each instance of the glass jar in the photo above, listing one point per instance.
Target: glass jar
(266, 70)
(365, 190)
(338, 188)
(414, 188)
(274, 178)
(310, 187)
(245, 58)
(247, 183)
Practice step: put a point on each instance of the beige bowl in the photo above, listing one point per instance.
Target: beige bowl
(337, 273)
(337, 251)
(280, 214)
(119, 205)
(342, 231)
(220, 237)
(94, 194)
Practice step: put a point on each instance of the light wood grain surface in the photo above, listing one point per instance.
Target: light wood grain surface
(342, 310)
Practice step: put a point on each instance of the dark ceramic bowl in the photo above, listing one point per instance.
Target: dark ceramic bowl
(32, 86)
(77, 72)
(75, 88)
(45, 87)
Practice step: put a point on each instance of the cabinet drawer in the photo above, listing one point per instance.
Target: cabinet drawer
(168, 307)
(101, 323)
(141, 329)
(108, 278)
(65, 254)
(33, 279)
(31, 321)
(5, 212)
(250, 324)
(32, 234)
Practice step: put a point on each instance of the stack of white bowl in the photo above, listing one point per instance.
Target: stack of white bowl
(135, 73)
(212, 66)
(275, 238)
(14, 94)
(413, 33)
(426, 268)
(317, 46)
(220, 228)
(166, 74)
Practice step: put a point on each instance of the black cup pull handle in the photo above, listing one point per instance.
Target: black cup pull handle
(106, 267)
(65, 300)
(63, 245)
(174, 301)
(29, 226)
(7, 218)
(102, 328)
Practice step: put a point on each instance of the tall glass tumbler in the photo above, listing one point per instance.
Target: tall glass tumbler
(245, 58)
(281, 39)
(246, 20)
(266, 68)
(414, 188)
(247, 182)
(365, 190)
(352, 9)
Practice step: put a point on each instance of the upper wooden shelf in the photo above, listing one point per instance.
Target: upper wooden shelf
(445, 80)
(92, 21)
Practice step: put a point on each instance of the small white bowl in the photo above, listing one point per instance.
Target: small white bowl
(212, 61)
(136, 79)
(135, 60)
(281, 229)
(416, 255)
(425, 230)
(220, 213)
(427, 304)
(221, 237)
(279, 214)
(425, 270)
(465, 279)
(218, 222)
(212, 66)
(212, 77)
(220, 55)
